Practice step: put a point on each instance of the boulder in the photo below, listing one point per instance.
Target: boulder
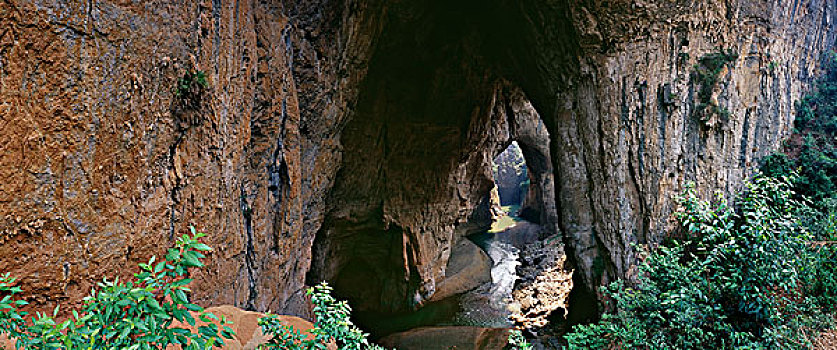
(248, 334)
(444, 338)
(468, 267)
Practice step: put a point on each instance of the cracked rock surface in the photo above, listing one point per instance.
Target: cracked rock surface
(340, 138)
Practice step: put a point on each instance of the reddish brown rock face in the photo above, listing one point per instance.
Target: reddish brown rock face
(370, 126)
(103, 164)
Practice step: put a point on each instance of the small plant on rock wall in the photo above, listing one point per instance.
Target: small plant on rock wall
(189, 91)
(771, 67)
(705, 75)
(139, 314)
(190, 83)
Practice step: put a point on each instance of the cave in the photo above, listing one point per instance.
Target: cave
(433, 112)
(435, 108)
(352, 141)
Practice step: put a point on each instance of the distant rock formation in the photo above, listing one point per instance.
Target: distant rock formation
(511, 176)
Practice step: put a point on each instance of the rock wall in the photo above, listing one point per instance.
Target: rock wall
(103, 166)
(369, 125)
(627, 130)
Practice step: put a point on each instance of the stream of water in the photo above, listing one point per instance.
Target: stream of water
(485, 306)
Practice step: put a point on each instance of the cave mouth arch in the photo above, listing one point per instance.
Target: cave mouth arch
(414, 195)
(432, 112)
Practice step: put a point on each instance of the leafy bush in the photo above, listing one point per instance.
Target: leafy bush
(817, 112)
(140, 314)
(134, 315)
(191, 82)
(189, 91)
(744, 278)
(517, 341)
(812, 153)
(332, 325)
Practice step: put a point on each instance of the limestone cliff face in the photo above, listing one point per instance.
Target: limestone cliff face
(102, 168)
(370, 126)
(627, 128)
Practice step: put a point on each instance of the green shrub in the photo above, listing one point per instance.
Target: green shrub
(332, 325)
(744, 278)
(191, 82)
(139, 315)
(707, 70)
(812, 150)
(517, 341)
(136, 314)
(771, 67)
(189, 91)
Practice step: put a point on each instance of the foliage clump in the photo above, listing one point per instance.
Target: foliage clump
(743, 277)
(518, 342)
(136, 315)
(189, 90)
(812, 149)
(140, 314)
(332, 325)
(705, 75)
(759, 274)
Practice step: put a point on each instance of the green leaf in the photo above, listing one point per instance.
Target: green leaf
(190, 260)
(202, 247)
(182, 282)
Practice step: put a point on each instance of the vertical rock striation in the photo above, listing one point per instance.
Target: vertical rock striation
(371, 126)
(632, 122)
(103, 166)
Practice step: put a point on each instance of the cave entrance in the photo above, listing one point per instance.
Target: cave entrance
(413, 188)
(433, 216)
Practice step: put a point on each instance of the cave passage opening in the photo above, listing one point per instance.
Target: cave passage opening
(511, 178)
(414, 187)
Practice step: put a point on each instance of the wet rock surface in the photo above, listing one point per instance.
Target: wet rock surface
(543, 286)
(468, 267)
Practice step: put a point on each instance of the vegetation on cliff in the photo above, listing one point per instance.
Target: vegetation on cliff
(759, 274)
(812, 151)
(705, 74)
(743, 276)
